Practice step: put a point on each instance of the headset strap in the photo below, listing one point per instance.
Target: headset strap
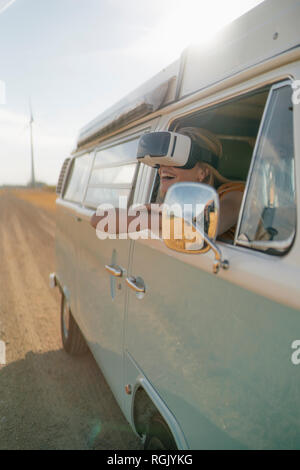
(199, 154)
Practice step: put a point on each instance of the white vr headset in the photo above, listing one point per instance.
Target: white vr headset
(172, 149)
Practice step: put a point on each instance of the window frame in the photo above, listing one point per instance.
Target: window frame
(283, 246)
(207, 103)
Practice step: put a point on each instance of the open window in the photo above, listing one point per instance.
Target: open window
(236, 125)
(268, 219)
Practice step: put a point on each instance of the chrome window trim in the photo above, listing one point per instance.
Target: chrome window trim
(283, 245)
(127, 138)
(114, 165)
(111, 186)
(90, 205)
(280, 246)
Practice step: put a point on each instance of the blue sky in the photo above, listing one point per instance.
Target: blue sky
(75, 58)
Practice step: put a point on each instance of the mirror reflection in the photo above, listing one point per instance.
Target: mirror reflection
(190, 216)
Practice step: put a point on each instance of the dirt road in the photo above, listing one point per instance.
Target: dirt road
(47, 399)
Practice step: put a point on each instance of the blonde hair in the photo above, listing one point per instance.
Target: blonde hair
(214, 178)
(204, 138)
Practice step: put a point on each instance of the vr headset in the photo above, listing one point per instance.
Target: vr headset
(172, 149)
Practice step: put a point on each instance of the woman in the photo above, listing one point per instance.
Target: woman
(230, 193)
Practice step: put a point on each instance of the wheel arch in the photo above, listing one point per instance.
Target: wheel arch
(145, 403)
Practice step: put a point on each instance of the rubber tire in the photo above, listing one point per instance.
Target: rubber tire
(74, 344)
(159, 436)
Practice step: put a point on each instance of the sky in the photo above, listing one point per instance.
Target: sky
(72, 59)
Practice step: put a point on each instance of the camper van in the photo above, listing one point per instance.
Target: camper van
(201, 349)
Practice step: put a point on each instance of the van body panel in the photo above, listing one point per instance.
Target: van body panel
(218, 355)
(66, 249)
(101, 299)
(136, 376)
(265, 32)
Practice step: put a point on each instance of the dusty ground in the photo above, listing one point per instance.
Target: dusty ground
(47, 399)
(38, 197)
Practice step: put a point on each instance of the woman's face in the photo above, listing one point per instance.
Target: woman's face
(170, 175)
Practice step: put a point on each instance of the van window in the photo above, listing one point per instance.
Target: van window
(113, 174)
(269, 217)
(77, 178)
(235, 125)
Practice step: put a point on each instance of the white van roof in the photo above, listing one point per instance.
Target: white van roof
(152, 95)
(263, 33)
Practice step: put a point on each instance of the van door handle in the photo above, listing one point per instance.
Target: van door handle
(136, 284)
(114, 270)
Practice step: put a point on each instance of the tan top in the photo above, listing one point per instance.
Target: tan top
(225, 189)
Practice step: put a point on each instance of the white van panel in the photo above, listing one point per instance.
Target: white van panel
(265, 32)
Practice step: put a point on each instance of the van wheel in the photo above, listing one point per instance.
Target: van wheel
(72, 338)
(159, 436)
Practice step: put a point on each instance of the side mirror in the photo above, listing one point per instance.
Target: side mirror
(190, 220)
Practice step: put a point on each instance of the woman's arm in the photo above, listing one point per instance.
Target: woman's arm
(122, 215)
(229, 212)
(113, 214)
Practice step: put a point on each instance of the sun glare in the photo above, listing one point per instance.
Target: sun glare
(195, 21)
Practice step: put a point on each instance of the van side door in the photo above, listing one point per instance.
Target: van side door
(67, 219)
(103, 262)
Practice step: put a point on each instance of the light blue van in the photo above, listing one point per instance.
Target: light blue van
(196, 360)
